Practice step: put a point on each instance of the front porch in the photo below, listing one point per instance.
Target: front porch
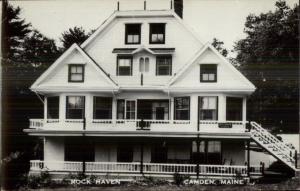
(140, 169)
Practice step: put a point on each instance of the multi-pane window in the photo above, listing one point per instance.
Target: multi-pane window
(124, 66)
(120, 109)
(132, 33)
(53, 107)
(75, 107)
(164, 65)
(144, 65)
(182, 108)
(208, 73)
(234, 109)
(208, 108)
(130, 109)
(76, 73)
(102, 107)
(157, 33)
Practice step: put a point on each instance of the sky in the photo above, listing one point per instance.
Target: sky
(223, 19)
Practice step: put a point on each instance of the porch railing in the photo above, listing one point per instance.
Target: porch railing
(135, 167)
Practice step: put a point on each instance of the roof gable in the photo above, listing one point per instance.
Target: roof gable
(74, 55)
(209, 55)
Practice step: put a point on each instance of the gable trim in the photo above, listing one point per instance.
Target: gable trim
(62, 57)
(209, 46)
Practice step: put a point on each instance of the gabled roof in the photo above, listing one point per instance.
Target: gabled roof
(140, 13)
(198, 54)
(63, 56)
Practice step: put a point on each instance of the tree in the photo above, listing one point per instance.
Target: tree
(74, 35)
(26, 54)
(219, 45)
(269, 57)
(14, 30)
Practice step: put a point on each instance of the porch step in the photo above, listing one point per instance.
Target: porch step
(273, 145)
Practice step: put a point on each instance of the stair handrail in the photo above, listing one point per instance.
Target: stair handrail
(270, 136)
(285, 150)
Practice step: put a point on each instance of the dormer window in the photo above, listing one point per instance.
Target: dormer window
(157, 33)
(132, 33)
(208, 73)
(76, 73)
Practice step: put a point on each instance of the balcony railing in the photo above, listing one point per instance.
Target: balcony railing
(135, 168)
(137, 124)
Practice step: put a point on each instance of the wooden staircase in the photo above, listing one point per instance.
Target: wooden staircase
(274, 146)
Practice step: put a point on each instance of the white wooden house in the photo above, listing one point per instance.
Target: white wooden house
(145, 96)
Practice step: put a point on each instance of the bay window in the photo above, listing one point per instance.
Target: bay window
(53, 107)
(208, 108)
(75, 107)
(182, 108)
(102, 108)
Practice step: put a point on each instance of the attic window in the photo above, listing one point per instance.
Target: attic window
(132, 33)
(157, 33)
(208, 73)
(76, 73)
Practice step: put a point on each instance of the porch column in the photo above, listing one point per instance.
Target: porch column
(171, 117)
(194, 113)
(45, 109)
(244, 118)
(142, 158)
(89, 108)
(114, 110)
(62, 108)
(222, 108)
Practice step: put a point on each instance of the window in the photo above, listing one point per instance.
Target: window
(182, 108)
(53, 107)
(208, 73)
(124, 66)
(132, 33)
(125, 153)
(214, 155)
(157, 33)
(130, 109)
(208, 108)
(75, 107)
(209, 152)
(120, 109)
(144, 65)
(76, 73)
(234, 109)
(102, 107)
(164, 65)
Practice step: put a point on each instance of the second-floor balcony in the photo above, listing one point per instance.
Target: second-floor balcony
(177, 115)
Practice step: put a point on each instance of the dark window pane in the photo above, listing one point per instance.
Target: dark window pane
(75, 107)
(182, 108)
(76, 73)
(53, 107)
(102, 107)
(159, 154)
(163, 65)
(121, 109)
(157, 33)
(208, 73)
(234, 109)
(208, 108)
(214, 152)
(133, 33)
(124, 66)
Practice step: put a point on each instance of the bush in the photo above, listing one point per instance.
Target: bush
(282, 168)
(179, 178)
